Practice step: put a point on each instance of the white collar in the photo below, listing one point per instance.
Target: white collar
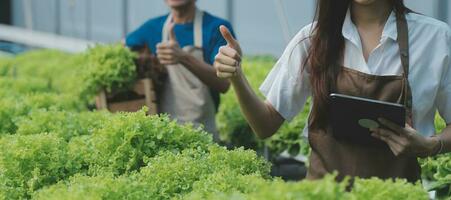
(350, 32)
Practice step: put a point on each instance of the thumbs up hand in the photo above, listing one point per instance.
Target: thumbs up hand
(169, 52)
(228, 61)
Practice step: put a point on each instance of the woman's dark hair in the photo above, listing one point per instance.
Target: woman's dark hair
(326, 51)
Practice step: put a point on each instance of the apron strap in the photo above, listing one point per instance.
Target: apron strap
(165, 32)
(198, 24)
(403, 42)
(198, 33)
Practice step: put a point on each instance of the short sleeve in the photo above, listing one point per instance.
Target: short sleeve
(287, 86)
(148, 33)
(444, 94)
(137, 37)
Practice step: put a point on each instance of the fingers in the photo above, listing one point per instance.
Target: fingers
(398, 129)
(396, 143)
(165, 57)
(165, 51)
(223, 59)
(224, 68)
(227, 35)
(389, 134)
(167, 62)
(166, 45)
(230, 52)
(224, 75)
(394, 147)
(409, 128)
(227, 62)
(165, 54)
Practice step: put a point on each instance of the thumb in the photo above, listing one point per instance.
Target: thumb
(172, 37)
(231, 41)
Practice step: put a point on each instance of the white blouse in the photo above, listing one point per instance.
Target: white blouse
(430, 74)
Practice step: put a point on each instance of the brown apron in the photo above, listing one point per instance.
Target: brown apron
(351, 159)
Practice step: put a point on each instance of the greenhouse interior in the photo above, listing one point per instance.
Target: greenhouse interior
(225, 99)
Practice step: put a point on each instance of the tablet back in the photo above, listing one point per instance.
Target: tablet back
(351, 118)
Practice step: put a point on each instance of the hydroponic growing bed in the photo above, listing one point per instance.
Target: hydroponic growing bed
(54, 147)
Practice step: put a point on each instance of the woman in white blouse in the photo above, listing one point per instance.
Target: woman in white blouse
(369, 48)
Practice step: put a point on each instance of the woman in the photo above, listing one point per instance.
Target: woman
(375, 49)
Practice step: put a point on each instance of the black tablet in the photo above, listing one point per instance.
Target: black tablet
(352, 117)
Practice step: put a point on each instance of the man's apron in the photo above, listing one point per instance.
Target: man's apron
(184, 97)
(351, 159)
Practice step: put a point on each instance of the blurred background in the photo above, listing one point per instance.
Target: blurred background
(263, 26)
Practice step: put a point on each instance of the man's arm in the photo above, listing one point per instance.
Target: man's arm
(205, 72)
(171, 53)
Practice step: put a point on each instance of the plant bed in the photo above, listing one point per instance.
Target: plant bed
(52, 148)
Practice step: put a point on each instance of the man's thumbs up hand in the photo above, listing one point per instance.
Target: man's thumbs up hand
(169, 52)
(228, 61)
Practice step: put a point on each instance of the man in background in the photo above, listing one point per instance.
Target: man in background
(186, 41)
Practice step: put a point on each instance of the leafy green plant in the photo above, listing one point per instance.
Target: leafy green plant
(53, 101)
(5, 65)
(327, 188)
(257, 189)
(436, 171)
(28, 163)
(167, 176)
(108, 67)
(226, 183)
(65, 124)
(373, 189)
(440, 124)
(14, 87)
(123, 143)
(289, 137)
(61, 71)
(99, 187)
(12, 109)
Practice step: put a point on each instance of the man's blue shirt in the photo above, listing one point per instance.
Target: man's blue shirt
(150, 33)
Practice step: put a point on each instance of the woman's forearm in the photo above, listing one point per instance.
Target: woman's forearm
(261, 116)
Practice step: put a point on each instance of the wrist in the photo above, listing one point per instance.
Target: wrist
(184, 57)
(436, 145)
(238, 77)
